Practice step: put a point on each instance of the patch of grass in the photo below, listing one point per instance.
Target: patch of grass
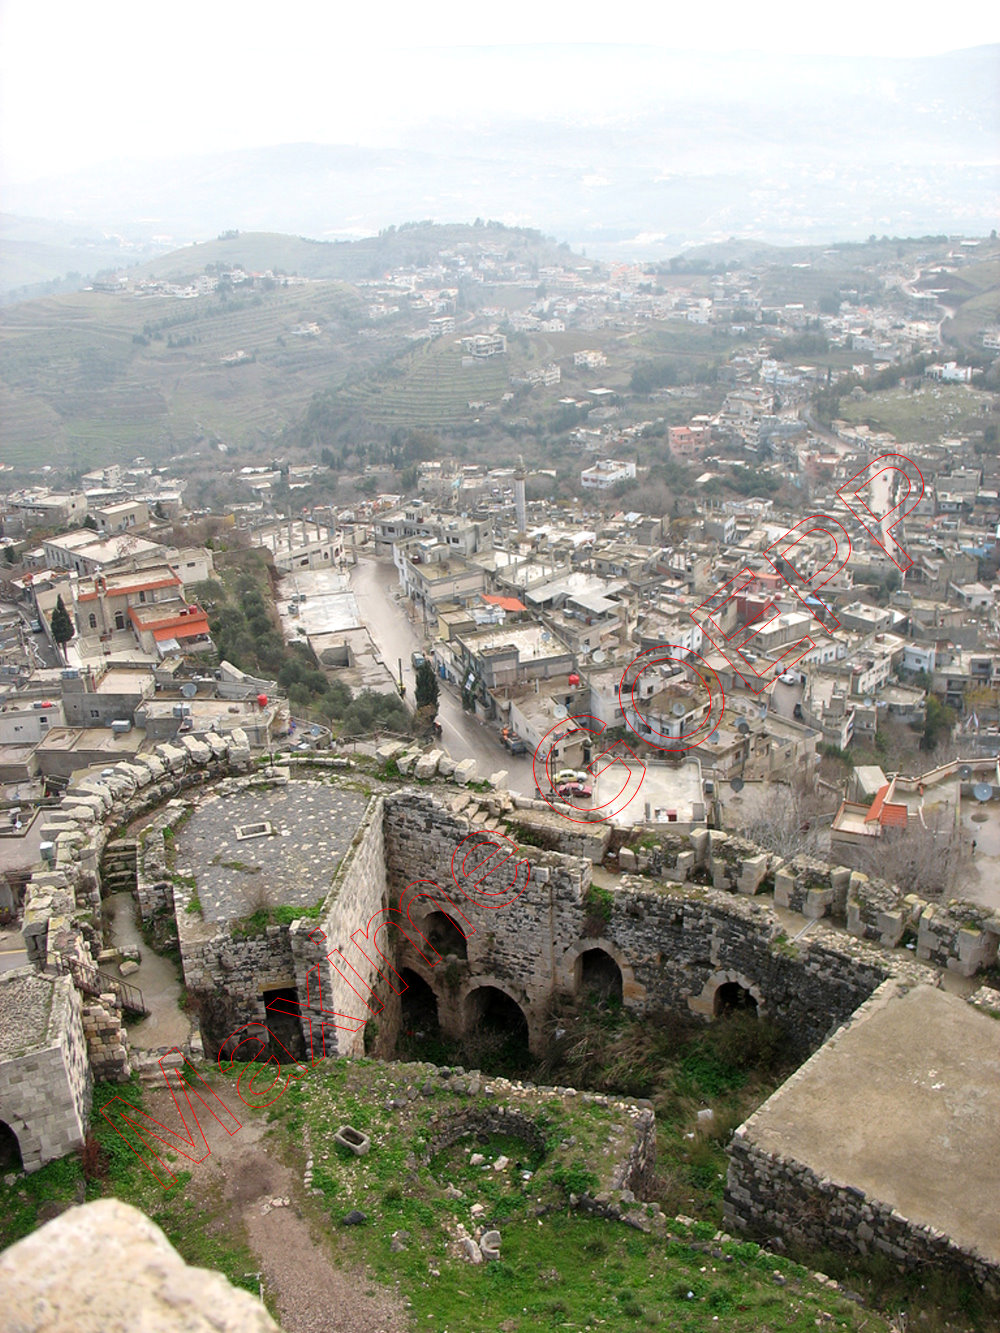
(283, 914)
(923, 415)
(599, 903)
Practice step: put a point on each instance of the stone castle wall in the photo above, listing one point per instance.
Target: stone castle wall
(768, 1195)
(45, 1090)
(357, 893)
(674, 944)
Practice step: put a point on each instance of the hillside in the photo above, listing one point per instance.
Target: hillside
(333, 358)
(37, 255)
(96, 376)
(414, 243)
(91, 378)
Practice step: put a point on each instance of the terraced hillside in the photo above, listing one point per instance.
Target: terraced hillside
(90, 377)
(972, 294)
(428, 387)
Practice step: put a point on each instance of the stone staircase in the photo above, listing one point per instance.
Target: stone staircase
(119, 867)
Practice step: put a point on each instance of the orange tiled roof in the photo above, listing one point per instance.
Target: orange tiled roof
(889, 814)
(505, 603)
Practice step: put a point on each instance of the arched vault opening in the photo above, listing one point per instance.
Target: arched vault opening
(597, 973)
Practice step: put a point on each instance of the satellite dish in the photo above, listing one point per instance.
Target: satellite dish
(736, 784)
(678, 710)
(982, 791)
(600, 656)
(546, 636)
(965, 771)
(763, 712)
(560, 711)
(743, 728)
(714, 737)
(868, 701)
(189, 689)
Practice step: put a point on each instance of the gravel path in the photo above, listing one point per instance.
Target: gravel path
(312, 1294)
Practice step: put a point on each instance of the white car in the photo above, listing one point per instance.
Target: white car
(790, 678)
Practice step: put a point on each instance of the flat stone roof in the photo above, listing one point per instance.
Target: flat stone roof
(312, 826)
(25, 1006)
(902, 1104)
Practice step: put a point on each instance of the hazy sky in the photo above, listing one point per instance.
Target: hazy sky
(82, 83)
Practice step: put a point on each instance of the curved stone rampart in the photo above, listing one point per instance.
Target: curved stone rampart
(670, 934)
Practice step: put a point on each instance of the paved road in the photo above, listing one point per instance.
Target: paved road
(12, 952)
(376, 586)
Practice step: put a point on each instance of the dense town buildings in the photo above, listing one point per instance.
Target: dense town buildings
(718, 659)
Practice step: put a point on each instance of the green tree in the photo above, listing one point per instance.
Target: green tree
(938, 722)
(427, 687)
(62, 625)
(90, 522)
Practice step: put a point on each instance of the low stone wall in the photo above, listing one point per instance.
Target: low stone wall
(767, 1195)
(622, 1180)
(107, 1040)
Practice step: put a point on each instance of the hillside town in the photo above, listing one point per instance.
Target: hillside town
(689, 632)
(531, 608)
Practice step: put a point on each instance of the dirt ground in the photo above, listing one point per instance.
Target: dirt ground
(312, 1293)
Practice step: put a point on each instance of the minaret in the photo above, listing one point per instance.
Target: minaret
(520, 504)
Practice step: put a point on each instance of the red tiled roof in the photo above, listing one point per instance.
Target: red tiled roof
(888, 814)
(191, 627)
(505, 603)
(875, 809)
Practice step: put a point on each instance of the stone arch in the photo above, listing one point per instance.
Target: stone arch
(488, 1004)
(569, 968)
(11, 1156)
(730, 997)
(596, 972)
(419, 1003)
(439, 929)
(717, 990)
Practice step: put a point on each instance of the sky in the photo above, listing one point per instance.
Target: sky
(87, 83)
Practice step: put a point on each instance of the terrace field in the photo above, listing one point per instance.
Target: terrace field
(93, 378)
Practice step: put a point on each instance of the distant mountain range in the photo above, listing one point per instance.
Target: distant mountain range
(697, 148)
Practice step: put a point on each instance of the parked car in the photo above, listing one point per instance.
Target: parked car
(574, 789)
(571, 775)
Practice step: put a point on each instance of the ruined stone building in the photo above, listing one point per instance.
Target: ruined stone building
(491, 907)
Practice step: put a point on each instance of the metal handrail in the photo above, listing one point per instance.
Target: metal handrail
(91, 979)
